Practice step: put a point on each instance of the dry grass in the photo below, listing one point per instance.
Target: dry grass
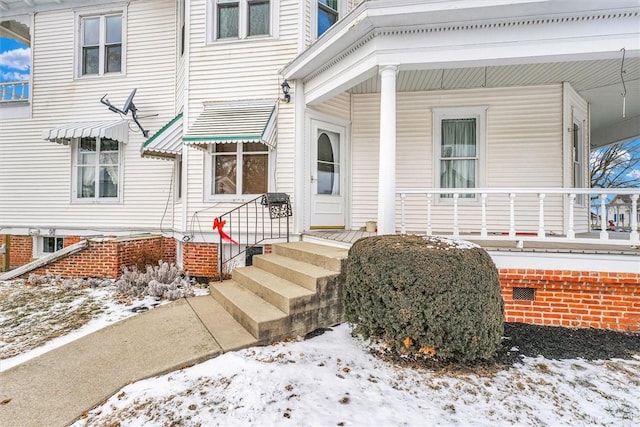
(30, 316)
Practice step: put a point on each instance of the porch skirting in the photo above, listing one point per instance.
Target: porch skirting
(572, 298)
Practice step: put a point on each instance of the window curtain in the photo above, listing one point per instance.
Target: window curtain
(258, 18)
(228, 19)
(458, 154)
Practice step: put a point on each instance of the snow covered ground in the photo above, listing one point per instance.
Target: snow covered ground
(329, 380)
(333, 380)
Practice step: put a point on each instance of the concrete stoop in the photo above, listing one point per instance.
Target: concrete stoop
(290, 292)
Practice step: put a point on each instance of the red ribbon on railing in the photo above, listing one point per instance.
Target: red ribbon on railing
(217, 225)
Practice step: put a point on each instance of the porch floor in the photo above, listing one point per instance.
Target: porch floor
(588, 243)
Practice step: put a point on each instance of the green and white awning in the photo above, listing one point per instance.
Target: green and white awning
(234, 122)
(117, 130)
(167, 142)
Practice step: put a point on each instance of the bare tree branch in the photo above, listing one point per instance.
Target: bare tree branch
(616, 166)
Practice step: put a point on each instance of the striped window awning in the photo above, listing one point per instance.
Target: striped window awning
(234, 122)
(117, 130)
(167, 142)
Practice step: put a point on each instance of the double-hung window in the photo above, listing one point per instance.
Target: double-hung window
(238, 169)
(328, 15)
(459, 148)
(97, 170)
(241, 19)
(101, 44)
(578, 157)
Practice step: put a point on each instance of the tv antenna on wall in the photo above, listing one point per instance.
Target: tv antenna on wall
(128, 106)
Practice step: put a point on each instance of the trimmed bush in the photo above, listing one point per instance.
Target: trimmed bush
(428, 295)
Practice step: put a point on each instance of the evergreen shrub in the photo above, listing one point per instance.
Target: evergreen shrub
(428, 295)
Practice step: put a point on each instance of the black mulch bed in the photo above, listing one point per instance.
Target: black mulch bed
(551, 342)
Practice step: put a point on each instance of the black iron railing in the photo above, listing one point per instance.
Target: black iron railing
(264, 218)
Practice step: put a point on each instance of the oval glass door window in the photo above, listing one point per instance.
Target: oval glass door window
(328, 164)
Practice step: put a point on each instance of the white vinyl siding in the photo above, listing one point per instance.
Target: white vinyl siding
(249, 70)
(519, 120)
(35, 175)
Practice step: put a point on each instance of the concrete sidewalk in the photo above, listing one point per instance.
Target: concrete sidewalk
(55, 388)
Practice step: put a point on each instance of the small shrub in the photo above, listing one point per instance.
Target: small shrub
(163, 280)
(429, 296)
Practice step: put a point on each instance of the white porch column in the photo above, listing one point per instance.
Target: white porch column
(387, 160)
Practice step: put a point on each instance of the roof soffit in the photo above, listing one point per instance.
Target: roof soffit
(385, 23)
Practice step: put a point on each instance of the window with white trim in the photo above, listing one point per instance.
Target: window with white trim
(577, 146)
(459, 146)
(50, 244)
(324, 14)
(327, 15)
(241, 19)
(97, 170)
(101, 44)
(238, 169)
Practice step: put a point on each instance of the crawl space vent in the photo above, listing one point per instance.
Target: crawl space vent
(524, 294)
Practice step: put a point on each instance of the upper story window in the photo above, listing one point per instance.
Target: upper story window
(97, 170)
(101, 46)
(327, 15)
(241, 19)
(459, 148)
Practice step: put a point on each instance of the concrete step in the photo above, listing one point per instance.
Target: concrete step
(304, 274)
(226, 331)
(287, 296)
(324, 256)
(256, 315)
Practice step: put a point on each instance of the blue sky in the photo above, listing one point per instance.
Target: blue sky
(14, 60)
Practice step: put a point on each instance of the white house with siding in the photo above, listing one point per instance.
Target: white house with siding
(459, 117)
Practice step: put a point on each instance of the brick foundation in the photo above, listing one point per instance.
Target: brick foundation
(573, 298)
(200, 259)
(21, 248)
(105, 257)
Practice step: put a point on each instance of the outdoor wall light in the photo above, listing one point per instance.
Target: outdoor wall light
(285, 91)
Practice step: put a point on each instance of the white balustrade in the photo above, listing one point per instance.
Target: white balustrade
(462, 210)
(14, 91)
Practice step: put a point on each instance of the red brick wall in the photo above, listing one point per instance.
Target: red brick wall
(575, 299)
(140, 252)
(200, 259)
(100, 259)
(169, 246)
(106, 258)
(21, 250)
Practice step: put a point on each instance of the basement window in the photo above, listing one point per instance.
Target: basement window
(524, 294)
(52, 244)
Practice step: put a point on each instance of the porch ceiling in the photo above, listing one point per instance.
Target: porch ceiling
(486, 44)
(598, 81)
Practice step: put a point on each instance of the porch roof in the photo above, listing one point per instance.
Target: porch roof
(234, 122)
(167, 142)
(456, 45)
(117, 130)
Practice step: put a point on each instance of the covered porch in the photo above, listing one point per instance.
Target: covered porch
(543, 84)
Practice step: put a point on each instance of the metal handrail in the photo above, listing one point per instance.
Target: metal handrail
(250, 224)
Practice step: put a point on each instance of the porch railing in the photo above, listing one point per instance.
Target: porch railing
(14, 91)
(261, 219)
(515, 212)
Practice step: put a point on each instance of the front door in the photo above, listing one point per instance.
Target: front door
(327, 176)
